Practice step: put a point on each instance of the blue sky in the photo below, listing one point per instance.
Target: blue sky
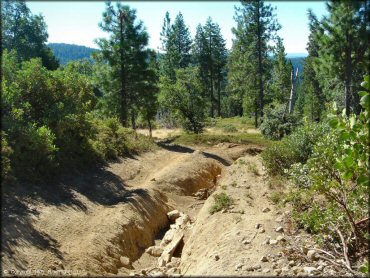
(77, 22)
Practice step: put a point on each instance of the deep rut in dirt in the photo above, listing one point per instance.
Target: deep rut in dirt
(105, 218)
(184, 179)
(198, 181)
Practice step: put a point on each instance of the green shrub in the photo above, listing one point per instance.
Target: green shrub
(112, 140)
(295, 148)
(6, 152)
(222, 201)
(34, 152)
(336, 178)
(229, 128)
(278, 123)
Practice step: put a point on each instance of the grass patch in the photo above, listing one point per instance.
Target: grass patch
(229, 128)
(237, 122)
(222, 201)
(253, 168)
(214, 139)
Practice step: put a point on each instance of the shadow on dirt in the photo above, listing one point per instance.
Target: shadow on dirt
(18, 211)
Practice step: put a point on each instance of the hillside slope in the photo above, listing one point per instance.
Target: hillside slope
(70, 52)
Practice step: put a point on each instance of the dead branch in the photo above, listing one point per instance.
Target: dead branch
(323, 251)
(345, 248)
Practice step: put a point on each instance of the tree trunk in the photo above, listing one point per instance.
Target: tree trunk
(124, 100)
(260, 69)
(293, 91)
(150, 127)
(256, 114)
(133, 120)
(219, 97)
(211, 76)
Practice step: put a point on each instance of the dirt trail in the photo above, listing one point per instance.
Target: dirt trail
(102, 222)
(91, 221)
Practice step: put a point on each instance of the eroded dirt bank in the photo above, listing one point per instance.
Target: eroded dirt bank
(91, 224)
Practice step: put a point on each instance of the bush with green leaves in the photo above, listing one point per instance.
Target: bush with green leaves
(336, 176)
(184, 98)
(222, 201)
(278, 123)
(229, 128)
(48, 123)
(295, 148)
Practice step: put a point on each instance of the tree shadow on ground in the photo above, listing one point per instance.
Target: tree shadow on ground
(98, 185)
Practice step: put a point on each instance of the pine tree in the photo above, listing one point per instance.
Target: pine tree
(281, 74)
(209, 54)
(314, 97)
(127, 58)
(256, 27)
(344, 48)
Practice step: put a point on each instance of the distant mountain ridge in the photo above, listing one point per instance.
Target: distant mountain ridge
(70, 52)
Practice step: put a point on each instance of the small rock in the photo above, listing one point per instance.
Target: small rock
(258, 225)
(280, 238)
(181, 221)
(247, 186)
(311, 255)
(297, 269)
(217, 257)
(153, 179)
(246, 241)
(143, 271)
(267, 241)
(285, 269)
(173, 215)
(277, 271)
(275, 266)
(273, 242)
(310, 270)
(250, 268)
(279, 219)
(125, 261)
(264, 259)
(279, 229)
(155, 251)
(266, 270)
(262, 230)
(257, 266)
(320, 267)
(291, 263)
(266, 210)
(157, 274)
(238, 266)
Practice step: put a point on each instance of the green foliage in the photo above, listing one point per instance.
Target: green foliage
(66, 53)
(281, 74)
(34, 152)
(184, 98)
(337, 176)
(278, 122)
(124, 73)
(249, 64)
(112, 140)
(209, 54)
(229, 128)
(6, 152)
(295, 148)
(25, 33)
(213, 139)
(222, 201)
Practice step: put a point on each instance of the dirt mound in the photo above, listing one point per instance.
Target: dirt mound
(192, 172)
